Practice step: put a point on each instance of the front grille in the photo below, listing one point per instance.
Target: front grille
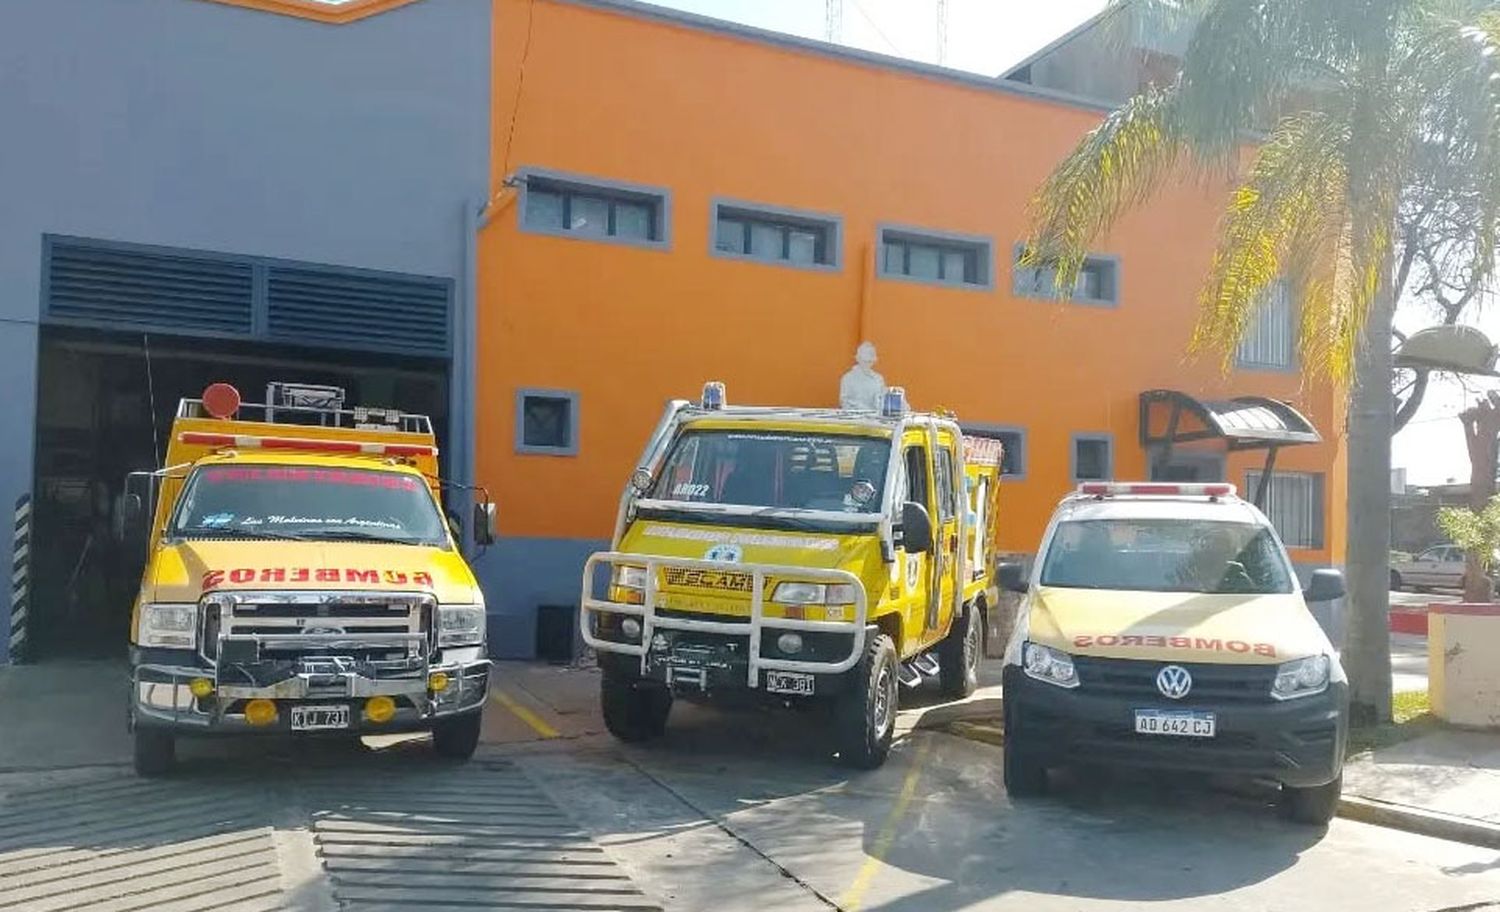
(1213, 685)
(359, 620)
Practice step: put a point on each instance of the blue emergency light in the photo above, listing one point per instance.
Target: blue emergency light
(713, 395)
(893, 403)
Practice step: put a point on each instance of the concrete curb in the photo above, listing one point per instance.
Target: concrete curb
(1420, 820)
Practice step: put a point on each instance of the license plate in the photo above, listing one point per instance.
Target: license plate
(1179, 723)
(313, 718)
(789, 682)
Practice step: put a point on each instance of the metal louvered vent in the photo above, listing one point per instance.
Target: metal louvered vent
(129, 287)
(404, 314)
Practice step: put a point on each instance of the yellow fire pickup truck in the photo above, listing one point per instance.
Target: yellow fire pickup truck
(301, 577)
(795, 556)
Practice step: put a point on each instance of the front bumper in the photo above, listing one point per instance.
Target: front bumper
(160, 697)
(734, 652)
(1295, 742)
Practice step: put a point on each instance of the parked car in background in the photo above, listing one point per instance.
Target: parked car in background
(1438, 567)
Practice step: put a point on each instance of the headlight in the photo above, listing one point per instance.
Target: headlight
(813, 594)
(460, 625)
(1051, 665)
(1301, 678)
(171, 626)
(630, 577)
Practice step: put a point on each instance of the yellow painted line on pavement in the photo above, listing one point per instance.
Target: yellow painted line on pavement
(537, 723)
(853, 896)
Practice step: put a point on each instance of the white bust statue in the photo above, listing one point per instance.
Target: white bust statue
(861, 387)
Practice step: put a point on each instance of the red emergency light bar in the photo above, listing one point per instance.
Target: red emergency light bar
(252, 442)
(1153, 489)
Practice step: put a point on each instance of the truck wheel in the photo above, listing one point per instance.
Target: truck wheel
(457, 738)
(155, 751)
(959, 654)
(1024, 776)
(634, 710)
(1314, 805)
(865, 716)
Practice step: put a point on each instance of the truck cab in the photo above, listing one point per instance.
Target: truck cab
(790, 556)
(302, 578)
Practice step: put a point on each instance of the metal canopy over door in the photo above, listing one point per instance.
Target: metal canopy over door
(113, 286)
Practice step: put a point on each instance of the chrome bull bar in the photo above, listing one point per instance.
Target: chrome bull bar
(651, 620)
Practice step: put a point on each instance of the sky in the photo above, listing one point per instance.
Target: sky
(988, 37)
(984, 36)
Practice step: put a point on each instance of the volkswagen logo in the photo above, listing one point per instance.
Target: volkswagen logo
(1174, 682)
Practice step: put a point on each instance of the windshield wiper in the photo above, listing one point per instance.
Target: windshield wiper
(360, 535)
(233, 532)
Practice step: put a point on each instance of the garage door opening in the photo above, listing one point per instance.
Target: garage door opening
(105, 403)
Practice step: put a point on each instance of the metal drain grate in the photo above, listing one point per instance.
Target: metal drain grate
(123, 844)
(483, 837)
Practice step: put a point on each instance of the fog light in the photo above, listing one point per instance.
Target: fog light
(789, 643)
(437, 682)
(380, 709)
(631, 627)
(260, 712)
(660, 643)
(201, 687)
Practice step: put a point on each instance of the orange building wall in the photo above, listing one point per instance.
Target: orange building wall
(709, 115)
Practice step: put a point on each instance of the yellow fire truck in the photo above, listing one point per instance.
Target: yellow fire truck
(795, 556)
(302, 577)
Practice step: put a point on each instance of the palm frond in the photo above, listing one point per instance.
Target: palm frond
(1118, 165)
(1287, 220)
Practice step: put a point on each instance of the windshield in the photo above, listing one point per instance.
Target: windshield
(306, 503)
(1165, 555)
(842, 473)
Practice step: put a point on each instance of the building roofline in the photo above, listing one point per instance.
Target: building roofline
(1067, 37)
(999, 85)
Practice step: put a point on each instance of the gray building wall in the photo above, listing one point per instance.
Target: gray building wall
(189, 123)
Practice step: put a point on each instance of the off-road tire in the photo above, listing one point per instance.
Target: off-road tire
(456, 738)
(155, 751)
(865, 714)
(1024, 776)
(634, 710)
(959, 655)
(1315, 805)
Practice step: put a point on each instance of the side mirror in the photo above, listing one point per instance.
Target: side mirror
(916, 527)
(484, 523)
(1324, 586)
(135, 509)
(1012, 577)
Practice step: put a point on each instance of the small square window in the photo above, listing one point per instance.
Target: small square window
(1093, 459)
(633, 220)
(547, 422)
(1013, 442)
(544, 209)
(731, 236)
(1270, 339)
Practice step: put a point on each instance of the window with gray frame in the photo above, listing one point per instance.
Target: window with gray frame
(1294, 505)
(946, 260)
(1098, 280)
(568, 207)
(775, 236)
(1093, 457)
(1270, 339)
(547, 422)
(1013, 441)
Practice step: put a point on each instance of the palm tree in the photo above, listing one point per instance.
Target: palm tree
(1350, 105)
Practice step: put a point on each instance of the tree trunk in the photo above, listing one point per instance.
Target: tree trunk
(1367, 657)
(1481, 434)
